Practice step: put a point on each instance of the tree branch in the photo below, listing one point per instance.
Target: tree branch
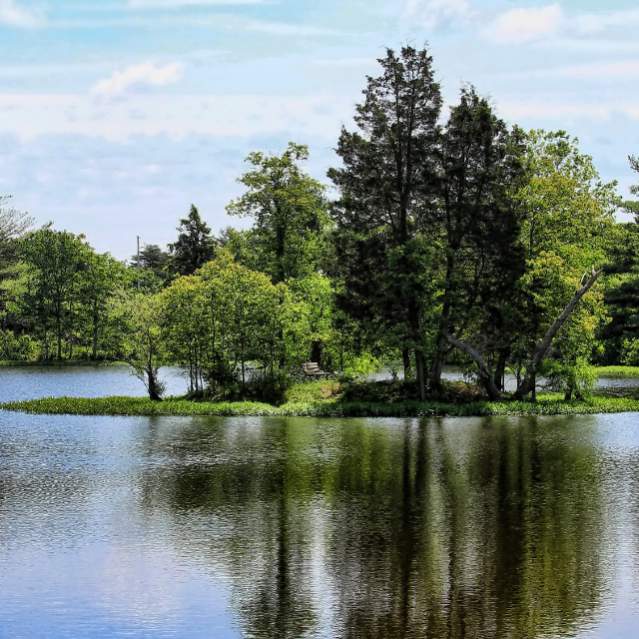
(485, 375)
(541, 350)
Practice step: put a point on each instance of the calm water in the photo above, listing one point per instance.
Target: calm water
(31, 382)
(289, 528)
(455, 374)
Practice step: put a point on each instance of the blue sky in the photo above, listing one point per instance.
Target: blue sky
(115, 115)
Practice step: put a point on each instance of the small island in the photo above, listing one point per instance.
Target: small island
(448, 237)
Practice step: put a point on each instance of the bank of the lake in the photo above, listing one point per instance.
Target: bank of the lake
(547, 404)
(618, 372)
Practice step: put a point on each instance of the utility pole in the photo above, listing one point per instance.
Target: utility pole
(139, 265)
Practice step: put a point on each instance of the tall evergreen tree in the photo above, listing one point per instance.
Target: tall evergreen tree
(480, 221)
(622, 296)
(386, 186)
(153, 258)
(194, 247)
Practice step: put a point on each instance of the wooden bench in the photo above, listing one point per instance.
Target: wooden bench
(312, 369)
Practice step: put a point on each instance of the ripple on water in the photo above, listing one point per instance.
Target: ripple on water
(292, 527)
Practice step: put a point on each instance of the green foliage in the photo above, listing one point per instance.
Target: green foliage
(480, 220)
(622, 291)
(360, 365)
(566, 232)
(386, 187)
(630, 352)
(465, 239)
(60, 293)
(245, 322)
(143, 347)
(184, 317)
(17, 348)
(52, 288)
(194, 247)
(153, 264)
(101, 277)
(289, 212)
(309, 321)
(226, 326)
(313, 391)
(578, 379)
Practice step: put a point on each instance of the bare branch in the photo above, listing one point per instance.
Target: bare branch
(485, 374)
(13, 223)
(541, 350)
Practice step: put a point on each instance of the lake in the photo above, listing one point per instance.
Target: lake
(32, 382)
(300, 527)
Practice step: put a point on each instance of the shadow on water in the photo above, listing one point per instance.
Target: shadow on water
(390, 529)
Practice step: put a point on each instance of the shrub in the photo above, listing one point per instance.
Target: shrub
(17, 347)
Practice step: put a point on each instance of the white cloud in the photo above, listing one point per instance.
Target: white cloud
(30, 116)
(523, 25)
(139, 75)
(549, 24)
(607, 72)
(175, 4)
(560, 111)
(434, 13)
(597, 70)
(287, 29)
(14, 15)
(592, 23)
(217, 22)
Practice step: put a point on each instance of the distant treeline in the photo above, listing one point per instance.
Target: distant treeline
(466, 240)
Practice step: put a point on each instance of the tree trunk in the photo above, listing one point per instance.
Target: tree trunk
(500, 369)
(414, 322)
(435, 373)
(420, 370)
(529, 384)
(435, 380)
(152, 385)
(406, 364)
(94, 353)
(486, 376)
(59, 337)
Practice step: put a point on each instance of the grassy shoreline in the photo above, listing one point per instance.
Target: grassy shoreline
(618, 372)
(548, 404)
(330, 398)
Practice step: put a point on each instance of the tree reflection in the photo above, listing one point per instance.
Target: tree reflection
(433, 528)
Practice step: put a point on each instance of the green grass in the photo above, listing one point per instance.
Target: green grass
(136, 406)
(618, 372)
(548, 404)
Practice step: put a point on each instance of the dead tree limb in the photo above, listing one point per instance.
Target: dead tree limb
(486, 376)
(541, 350)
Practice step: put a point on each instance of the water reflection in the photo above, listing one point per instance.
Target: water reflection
(439, 528)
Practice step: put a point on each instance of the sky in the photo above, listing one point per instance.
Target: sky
(116, 115)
